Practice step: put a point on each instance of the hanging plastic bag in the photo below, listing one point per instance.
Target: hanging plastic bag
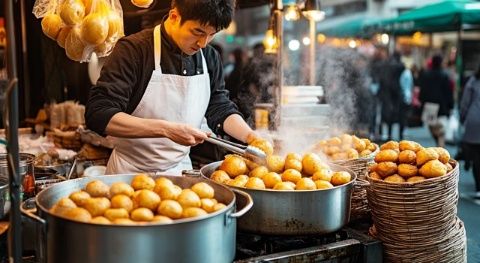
(81, 27)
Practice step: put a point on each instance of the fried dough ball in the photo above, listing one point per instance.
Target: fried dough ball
(346, 138)
(294, 156)
(408, 145)
(234, 165)
(142, 214)
(284, 186)
(97, 205)
(171, 208)
(386, 155)
(443, 154)
(263, 145)
(407, 170)
(324, 174)
(78, 214)
(372, 167)
(358, 144)
(291, 175)
(293, 164)
(62, 35)
(219, 206)
(426, 155)
(121, 188)
(97, 188)
(114, 213)
(143, 181)
(146, 198)
(100, 220)
(346, 147)
(321, 184)
(333, 149)
(433, 168)
(394, 179)
(416, 179)
(251, 164)
(385, 169)
(311, 163)
(375, 176)
(170, 191)
(334, 141)
(193, 212)
(259, 172)
(51, 25)
(271, 179)
(275, 163)
(372, 147)
(392, 145)
(220, 176)
(241, 178)
(208, 204)
(305, 184)
(188, 198)
(255, 183)
(407, 156)
(162, 182)
(339, 156)
(352, 154)
(365, 153)
(449, 167)
(339, 178)
(237, 183)
(79, 197)
(203, 190)
(124, 221)
(161, 219)
(72, 11)
(122, 201)
(62, 206)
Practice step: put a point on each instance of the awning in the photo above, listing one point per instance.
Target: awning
(351, 26)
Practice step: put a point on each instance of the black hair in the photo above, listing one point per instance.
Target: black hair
(437, 61)
(215, 13)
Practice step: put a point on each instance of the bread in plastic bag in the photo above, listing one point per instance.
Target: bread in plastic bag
(81, 27)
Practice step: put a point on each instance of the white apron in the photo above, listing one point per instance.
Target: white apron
(174, 98)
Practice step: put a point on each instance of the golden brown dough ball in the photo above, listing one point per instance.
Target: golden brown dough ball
(142, 3)
(339, 156)
(114, 213)
(320, 184)
(365, 153)
(161, 219)
(449, 167)
(161, 182)
(385, 169)
(219, 206)
(375, 176)
(271, 179)
(346, 147)
(339, 178)
(121, 188)
(334, 141)
(251, 164)
(143, 181)
(416, 179)
(263, 145)
(74, 46)
(259, 172)
(394, 179)
(407, 170)
(294, 156)
(392, 145)
(284, 186)
(122, 201)
(51, 25)
(293, 164)
(407, 156)
(242, 178)
(372, 147)
(346, 139)
(72, 11)
(352, 154)
(97, 205)
(78, 214)
(359, 144)
(219, 176)
(124, 221)
(333, 149)
(426, 155)
(142, 214)
(408, 145)
(433, 168)
(171, 208)
(63, 205)
(146, 198)
(94, 29)
(275, 163)
(311, 163)
(324, 174)
(97, 188)
(115, 25)
(62, 35)
(305, 184)
(236, 183)
(169, 192)
(234, 165)
(386, 155)
(79, 197)
(188, 198)
(100, 220)
(255, 183)
(203, 190)
(291, 175)
(443, 154)
(193, 212)
(208, 204)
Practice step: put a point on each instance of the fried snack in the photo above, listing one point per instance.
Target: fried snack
(291, 175)
(219, 206)
(78, 214)
(275, 163)
(219, 176)
(236, 183)
(62, 206)
(100, 220)
(207, 204)
(365, 153)
(407, 170)
(171, 192)
(409, 145)
(385, 169)
(305, 184)
(416, 179)
(387, 155)
(142, 214)
(375, 176)
(339, 178)
(250, 164)
(203, 190)
(124, 221)
(255, 183)
(193, 212)
(311, 163)
(162, 181)
(161, 219)
(234, 165)
(331, 150)
(241, 178)
(433, 168)
(321, 184)
(97, 188)
(407, 156)
(259, 172)
(339, 156)
(121, 188)
(394, 179)
(284, 186)
(143, 181)
(147, 198)
(359, 144)
(392, 145)
(426, 155)
(449, 167)
(372, 167)
(324, 174)
(294, 156)
(173, 209)
(271, 179)
(114, 213)
(79, 197)
(443, 154)
(189, 198)
(293, 164)
(334, 141)
(122, 201)
(97, 206)
(263, 145)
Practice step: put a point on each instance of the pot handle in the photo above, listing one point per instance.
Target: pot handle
(248, 205)
(29, 209)
(191, 173)
(362, 183)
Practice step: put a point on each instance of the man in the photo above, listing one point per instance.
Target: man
(159, 84)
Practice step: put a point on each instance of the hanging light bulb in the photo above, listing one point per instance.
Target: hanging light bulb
(312, 10)
(292, 14)
(270, 42)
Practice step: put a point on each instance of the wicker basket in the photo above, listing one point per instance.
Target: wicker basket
(417, 221)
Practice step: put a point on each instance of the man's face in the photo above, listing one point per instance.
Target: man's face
(190, 35)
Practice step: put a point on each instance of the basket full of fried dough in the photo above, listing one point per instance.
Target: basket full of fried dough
(413, 196)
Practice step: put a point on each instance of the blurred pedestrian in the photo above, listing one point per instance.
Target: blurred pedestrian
(377, 65)
(470, 117)
(406, 85)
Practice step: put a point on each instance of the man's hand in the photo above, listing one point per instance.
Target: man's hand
(185, 134)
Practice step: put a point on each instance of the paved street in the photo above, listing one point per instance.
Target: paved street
(468, 208)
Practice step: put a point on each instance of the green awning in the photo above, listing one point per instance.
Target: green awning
(448, 15)
(352, 26)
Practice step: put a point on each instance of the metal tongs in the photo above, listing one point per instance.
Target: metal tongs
(250, 152)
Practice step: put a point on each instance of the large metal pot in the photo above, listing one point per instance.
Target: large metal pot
(210, 238)
(4, 197)
(295, 212)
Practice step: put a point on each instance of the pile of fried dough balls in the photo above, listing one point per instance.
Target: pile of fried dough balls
(345, 147)
(84, 26)
(408, 161)
(294, 172)
(143, 201)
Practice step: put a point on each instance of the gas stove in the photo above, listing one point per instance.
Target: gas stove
(350, 244)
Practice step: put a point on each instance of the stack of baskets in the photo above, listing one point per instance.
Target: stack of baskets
(418, 222)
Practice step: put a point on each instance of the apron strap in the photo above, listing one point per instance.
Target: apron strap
(157, 45)
(204, 63)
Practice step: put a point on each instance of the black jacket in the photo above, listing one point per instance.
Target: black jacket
(435, 88)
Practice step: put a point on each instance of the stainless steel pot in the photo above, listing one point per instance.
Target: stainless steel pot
(295, 212)
(4, 197)
(210, 238)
